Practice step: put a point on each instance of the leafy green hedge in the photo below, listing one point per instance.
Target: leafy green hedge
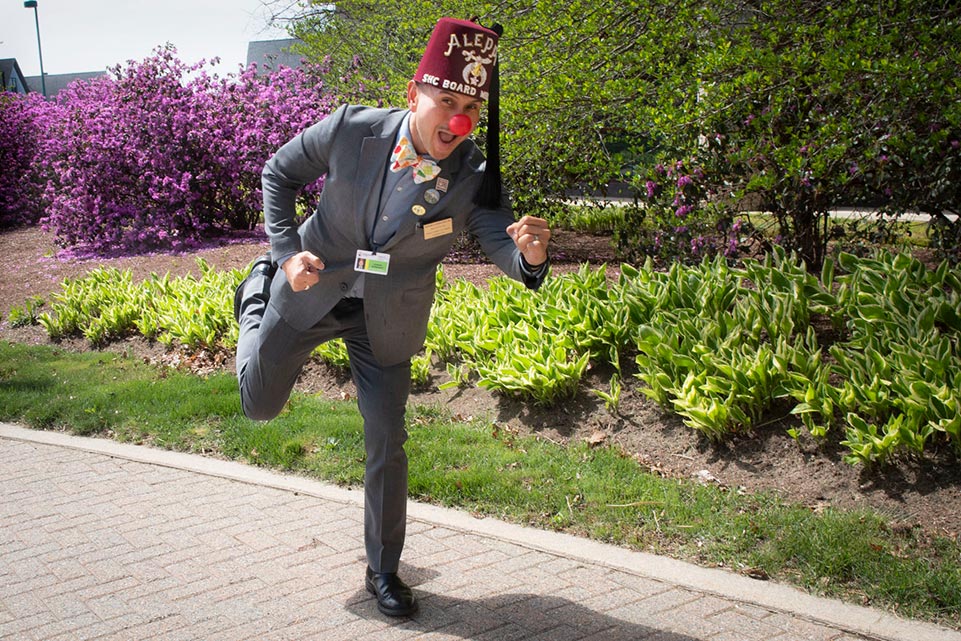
(106, 305)
(872, 349)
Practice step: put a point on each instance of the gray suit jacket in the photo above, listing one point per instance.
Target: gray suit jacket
(352, 147)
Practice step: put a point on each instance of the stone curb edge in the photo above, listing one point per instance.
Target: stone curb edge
(767, 594)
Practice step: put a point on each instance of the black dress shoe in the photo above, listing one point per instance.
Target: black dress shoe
(263, 265)
(394, 598)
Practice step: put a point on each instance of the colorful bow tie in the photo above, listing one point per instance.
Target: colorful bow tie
(404, 156)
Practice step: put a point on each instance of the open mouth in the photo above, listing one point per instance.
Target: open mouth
(445, 137)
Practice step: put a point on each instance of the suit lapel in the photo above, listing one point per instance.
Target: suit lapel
(374, 154)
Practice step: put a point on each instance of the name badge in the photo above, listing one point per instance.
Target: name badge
(438, 228)
(372, 262)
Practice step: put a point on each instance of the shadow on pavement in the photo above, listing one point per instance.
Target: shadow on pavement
(514, 616)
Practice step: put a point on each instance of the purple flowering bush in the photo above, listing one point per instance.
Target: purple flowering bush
(679, 218)
(161, 155)
(23, 124)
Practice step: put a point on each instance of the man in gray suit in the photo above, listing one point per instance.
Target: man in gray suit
(400, 186)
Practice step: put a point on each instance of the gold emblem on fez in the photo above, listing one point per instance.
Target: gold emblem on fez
(475, 73)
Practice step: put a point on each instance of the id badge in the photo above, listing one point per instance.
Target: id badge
(372, 262)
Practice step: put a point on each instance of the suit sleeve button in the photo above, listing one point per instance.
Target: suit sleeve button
(343, 287)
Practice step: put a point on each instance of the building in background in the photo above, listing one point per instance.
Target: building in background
(270, 54)
(11, 78)
(58, 81)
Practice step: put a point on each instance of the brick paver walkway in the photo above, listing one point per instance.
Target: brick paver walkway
(106, 541)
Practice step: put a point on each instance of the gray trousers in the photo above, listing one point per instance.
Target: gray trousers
(270, 357)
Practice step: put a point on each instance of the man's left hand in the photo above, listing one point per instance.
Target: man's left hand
(531, 235)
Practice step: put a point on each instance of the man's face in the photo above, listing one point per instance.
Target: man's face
(431, 111)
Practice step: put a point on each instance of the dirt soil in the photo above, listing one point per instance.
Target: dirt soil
(911, 493)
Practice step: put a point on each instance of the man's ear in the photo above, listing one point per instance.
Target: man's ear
(412, 92)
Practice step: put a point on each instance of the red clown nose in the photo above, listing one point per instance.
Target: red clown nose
(460, 125)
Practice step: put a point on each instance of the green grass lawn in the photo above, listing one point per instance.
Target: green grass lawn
(593, 492)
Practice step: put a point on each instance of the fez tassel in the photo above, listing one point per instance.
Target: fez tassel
(489, 194)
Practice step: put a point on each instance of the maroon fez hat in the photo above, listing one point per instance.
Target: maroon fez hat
(459, 57)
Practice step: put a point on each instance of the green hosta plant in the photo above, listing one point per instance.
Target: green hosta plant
(536, 345)
(612, 397)
(901, 368)
(543, 372)
(333, 353)
(717, 344)
(730, 392)
(28, 314)
(420, 367)
(101, 306)
(809, 383)
(590, 310)
(723, 343)
(457, 315)
(106, 304)
(196, 313)
(460, 376)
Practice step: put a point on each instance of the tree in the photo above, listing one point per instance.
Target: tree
(802, 105)
(813, 105)
(576, 76)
